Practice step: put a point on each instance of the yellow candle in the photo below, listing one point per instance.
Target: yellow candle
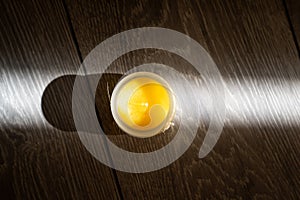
(143, 103)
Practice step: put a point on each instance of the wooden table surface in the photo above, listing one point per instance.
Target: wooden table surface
(41, 155)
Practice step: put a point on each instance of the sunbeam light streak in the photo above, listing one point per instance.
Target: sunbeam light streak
(248, 101)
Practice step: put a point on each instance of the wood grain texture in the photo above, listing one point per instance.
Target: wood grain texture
(293, 7)
(250, 41)
(247, 39)
(38, 161)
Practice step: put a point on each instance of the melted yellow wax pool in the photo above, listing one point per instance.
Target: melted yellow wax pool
(147, 105)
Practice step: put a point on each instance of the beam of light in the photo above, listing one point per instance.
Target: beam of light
(264, 101)
(248, 101)
(21, 96)
(258, 102)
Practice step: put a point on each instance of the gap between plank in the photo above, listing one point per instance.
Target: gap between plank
(73, 35)
(286, 10)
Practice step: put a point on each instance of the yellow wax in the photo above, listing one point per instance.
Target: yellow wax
(147, 104)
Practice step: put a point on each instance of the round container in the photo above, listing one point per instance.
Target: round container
(143, 104)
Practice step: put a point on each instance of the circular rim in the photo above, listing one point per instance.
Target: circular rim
(165, 124)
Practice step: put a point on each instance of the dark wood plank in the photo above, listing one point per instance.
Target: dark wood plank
(293, 7)
(38, 161)
(248, 40)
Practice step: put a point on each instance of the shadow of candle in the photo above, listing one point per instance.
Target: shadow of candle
(57, 101)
